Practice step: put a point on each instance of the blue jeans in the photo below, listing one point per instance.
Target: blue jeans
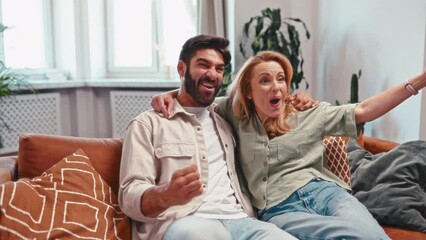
(197, 228)
(323, 210)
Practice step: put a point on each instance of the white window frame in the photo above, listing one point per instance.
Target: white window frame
(48, 32)
(49, 71)
(158, 69)
(113, 71)
(83, 57)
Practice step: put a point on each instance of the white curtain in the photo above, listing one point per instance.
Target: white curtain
(212, 17)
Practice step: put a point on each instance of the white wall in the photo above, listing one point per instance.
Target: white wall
(383, 38)
(386, 39)
(423, 111)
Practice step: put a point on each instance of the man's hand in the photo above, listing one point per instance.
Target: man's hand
(184, 185)
(302, 101)
(163, 103)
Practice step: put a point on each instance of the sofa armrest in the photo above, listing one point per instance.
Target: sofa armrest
(5, 176)
(402, 234)
(8, 168)
(377, 145)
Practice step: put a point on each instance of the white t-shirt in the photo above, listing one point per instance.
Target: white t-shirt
(220, 201)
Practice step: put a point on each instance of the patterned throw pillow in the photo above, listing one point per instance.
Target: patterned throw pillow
(68, 201)
(337, 158)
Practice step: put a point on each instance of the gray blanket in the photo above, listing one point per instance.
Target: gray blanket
(391, 185)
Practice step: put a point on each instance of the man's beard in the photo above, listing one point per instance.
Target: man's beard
(200, 97)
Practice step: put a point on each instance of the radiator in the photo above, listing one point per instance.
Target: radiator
(126, 105)
(32, 113)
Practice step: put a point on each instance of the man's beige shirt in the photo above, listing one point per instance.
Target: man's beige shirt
(153, 148)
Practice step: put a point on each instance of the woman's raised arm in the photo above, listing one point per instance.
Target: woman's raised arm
(385, 101)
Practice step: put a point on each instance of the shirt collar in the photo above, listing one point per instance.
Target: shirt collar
(179, 109)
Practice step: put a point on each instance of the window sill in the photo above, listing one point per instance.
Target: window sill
(106, 83)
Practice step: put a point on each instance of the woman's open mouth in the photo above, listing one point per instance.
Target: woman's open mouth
(275, 101)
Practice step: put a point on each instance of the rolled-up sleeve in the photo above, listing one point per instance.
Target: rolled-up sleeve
(340, 120)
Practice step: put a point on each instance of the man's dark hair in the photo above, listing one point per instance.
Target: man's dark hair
(192, 45)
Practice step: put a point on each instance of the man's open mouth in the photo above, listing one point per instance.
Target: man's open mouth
(208, 85)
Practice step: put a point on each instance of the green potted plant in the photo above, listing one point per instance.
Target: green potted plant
(269, 32)
(354, 88)
(227, 79)
(10, 84)
(354, 98)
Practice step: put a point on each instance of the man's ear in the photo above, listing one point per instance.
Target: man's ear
(181, 68)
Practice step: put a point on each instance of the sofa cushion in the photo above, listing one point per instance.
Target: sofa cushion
(391, 185)
(68, 201)
(337, 157)
(38, 152)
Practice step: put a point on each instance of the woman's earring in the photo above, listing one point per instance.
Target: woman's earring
(182, 78)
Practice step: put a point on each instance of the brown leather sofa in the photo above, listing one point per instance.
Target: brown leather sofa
(39, 152)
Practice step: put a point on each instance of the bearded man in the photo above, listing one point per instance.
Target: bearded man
(178, 178)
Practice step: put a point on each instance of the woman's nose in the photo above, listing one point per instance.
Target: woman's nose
(275, 86)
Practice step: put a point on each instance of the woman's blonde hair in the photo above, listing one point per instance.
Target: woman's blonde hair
(240, 88)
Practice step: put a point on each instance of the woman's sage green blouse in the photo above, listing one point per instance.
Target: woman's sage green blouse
(275, 168)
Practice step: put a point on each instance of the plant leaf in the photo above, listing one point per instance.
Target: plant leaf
(242, 50)
(247, 27)
(259, 26)
(354, 89)
(276, 19)
(255, 46)
(3, 27)
(308, 34)
(267, 12)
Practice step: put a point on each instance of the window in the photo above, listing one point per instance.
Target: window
(26, 40)
(145, 36)
(132, 34)
(97, 38)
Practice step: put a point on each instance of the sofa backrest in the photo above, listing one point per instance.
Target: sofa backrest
(39, 152)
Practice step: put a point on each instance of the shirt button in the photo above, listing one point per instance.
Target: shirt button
(265, 144)
(198, 129)
(226, 145)
(265, 179)
(203, 157)
(265, 163)
(264, 197)
(204, 185)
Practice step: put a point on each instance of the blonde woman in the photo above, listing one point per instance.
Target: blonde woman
(280, 151)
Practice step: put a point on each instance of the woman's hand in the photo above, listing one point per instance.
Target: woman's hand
(164, 103)
(302, 101)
